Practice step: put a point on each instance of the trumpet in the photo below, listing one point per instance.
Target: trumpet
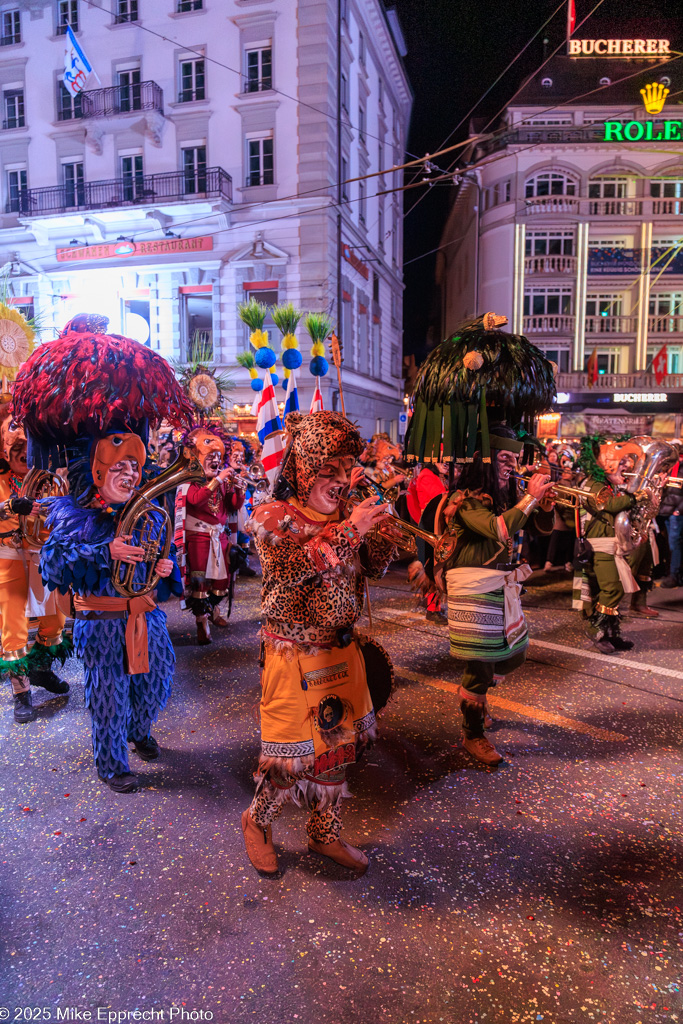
(39, 484)
(571, 497)
(397, 530)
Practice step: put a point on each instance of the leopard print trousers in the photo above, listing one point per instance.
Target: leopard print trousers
(322, 826)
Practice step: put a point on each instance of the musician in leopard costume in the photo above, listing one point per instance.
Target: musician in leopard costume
(316, 711)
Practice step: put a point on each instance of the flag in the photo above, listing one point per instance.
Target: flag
(269, 430)
(292, 396)
(571, 18)
(659, 364)
(77, 67)
(317, 402)
(592, 368)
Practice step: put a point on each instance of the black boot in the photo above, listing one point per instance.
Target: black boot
(23, 708)
(126, 783)
(598, 631)
(46, 678)
(147, 749)
(616, 639)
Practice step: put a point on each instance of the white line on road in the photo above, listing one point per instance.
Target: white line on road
(614, 661)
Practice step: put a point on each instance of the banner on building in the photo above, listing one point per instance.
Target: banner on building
(77, 67)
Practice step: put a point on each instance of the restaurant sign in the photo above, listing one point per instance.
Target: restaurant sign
(127, 249)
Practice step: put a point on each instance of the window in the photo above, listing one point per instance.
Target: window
(610, 243)
(185, 6)
(67, 14)
(605, 81)
(674, 357)
(608, 188)
(380, 225)
(561, 356)
(126, 10)
(550, 119)
(547, 301)
(667, 190)
(196, 325)
(395, 311)
(258, 69)
(68, 106)
(361, 48)
(345, 93)
(608, 360)
(11, 28)
(361, 202)
(547, 83)
(380, 91)
(508, 191)
(260, 161)
(363, 347)
(192, 80)
(550, 183)
(129, 97)
(347, 326)
(269, 299)
(194, 169)
(344, 179)
(361, 124)
(549, 243)
(73, 183)
(604, 314)
(13, 102)
(395, 233)
(17, 199)
(666, 313)
(132, 177)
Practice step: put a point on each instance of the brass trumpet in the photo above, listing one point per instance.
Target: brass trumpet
(571, 497)
(398, 531)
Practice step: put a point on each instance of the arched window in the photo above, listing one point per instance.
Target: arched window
(605, 81)
(547, 83)
(550, 183)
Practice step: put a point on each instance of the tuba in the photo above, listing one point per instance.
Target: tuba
(150, 525)
(39, 484)
(648, 480)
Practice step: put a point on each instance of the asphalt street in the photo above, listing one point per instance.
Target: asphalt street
(549, 889)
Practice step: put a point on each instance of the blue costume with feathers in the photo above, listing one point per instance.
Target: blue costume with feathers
(123, 707)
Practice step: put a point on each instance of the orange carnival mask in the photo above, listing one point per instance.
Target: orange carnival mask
(115, 448)
(612, 452)
(11, 434)
(206, 445)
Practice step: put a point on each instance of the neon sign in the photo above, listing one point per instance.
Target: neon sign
(645, 396)
(618, 47)
(647, 131)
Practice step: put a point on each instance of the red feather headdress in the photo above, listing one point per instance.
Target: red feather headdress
(87, 380)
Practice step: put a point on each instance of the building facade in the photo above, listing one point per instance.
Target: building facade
(569, 220)
(203, 168)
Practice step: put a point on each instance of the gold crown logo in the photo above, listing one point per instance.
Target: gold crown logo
(654, 97)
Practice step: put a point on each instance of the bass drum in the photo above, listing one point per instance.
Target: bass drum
(379, 672)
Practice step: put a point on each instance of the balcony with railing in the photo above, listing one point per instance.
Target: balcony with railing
(665, 324)
(122, 99)
(615, 207)
(137, 190)
(552, 204)
(549, 323)
(611, 324)
(618, 382)
(550, 264)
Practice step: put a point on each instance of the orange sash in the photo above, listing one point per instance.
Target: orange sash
(137, 650)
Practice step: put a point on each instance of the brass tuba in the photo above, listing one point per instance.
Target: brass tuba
(647, 481)
(38, 484)
(150, 525)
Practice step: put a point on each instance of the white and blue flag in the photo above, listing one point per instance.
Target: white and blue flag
(77, 67)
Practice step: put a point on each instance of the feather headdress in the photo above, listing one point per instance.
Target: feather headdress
(480, 373)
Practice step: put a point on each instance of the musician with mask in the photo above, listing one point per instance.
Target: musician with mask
(612, 572)
(317, 714)
(203, 510)
(22, 595)
(123, 641)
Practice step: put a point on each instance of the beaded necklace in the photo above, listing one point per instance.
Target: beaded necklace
(105, 506)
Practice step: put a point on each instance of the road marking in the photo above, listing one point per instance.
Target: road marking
(521, 709)
(614, 660)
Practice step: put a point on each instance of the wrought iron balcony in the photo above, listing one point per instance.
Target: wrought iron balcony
(550, 264)
(122, 99)
(155, 189)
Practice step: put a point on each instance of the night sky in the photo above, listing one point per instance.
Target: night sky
(456, 48)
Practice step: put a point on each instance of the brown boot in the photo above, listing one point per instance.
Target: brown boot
(341, 853)
(639, 606)
(259, 844)
(218, 619)
(482, 750)
(203, 631)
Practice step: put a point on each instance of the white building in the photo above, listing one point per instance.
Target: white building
(204, 170)
(569, 220)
